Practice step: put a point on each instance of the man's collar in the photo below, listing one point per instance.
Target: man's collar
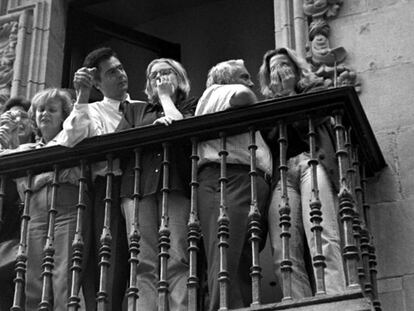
(115, 101)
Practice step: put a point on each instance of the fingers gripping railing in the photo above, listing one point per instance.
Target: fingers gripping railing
(106, 240)
(284, 211)
(164, 233)
(193, 231)
(254, 224)
(78, 242)
(316, 213)
(135, 235)
(21, 260)
(223, 228)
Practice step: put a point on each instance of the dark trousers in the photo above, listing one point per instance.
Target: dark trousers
(238, 205)
(119, 267)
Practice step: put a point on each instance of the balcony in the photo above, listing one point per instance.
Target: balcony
(358, 157)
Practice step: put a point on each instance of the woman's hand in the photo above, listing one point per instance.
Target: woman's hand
(8, 120)
(283, 81)
(166, 120)
(164, 86)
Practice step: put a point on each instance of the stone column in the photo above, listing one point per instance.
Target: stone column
(32, 37)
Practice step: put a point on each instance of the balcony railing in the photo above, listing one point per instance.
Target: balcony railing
(358, 156)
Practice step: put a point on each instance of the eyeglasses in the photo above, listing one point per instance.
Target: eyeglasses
(162, 72)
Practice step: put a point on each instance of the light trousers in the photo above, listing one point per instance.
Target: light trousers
(299, 193)
(64, 230)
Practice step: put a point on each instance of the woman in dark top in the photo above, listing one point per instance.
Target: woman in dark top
(167, 89)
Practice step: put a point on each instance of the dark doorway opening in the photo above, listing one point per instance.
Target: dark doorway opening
(135, 49)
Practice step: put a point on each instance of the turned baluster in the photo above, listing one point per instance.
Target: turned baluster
(78, 242)
(364, 233)
(346, 206)
(223, 223)
(194, 231)
(164, 233)
(105, 240)
(254, 224)
(49, 250)
(316, 213)
(135, 236)
(356, 221)
(21, 259)
(284, 211)
(372, 256)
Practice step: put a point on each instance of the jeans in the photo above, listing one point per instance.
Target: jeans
(148, 266)
(299, 193)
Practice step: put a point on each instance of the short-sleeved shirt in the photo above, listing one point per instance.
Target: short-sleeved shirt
(217, 98)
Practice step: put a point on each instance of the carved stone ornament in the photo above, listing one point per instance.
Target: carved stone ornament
(326, 62)
(321, 8)
(8, 41)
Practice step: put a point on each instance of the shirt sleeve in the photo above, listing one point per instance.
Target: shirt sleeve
(80, 124)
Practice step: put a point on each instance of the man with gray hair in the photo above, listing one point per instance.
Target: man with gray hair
(229, 86)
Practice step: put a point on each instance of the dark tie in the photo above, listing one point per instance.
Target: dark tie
(124, 108)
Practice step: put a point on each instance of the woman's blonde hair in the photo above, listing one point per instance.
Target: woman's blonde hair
(46, 94)
(184, 87)
(305, 78)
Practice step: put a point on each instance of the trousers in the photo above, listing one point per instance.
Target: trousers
(299, 194)
(148, 266)
(239, 256)
(64, 230)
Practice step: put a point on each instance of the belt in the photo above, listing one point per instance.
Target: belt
(267, 177)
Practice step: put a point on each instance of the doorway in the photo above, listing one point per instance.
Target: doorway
(135, 49)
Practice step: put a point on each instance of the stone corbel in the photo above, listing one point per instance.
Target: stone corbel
(326, 62)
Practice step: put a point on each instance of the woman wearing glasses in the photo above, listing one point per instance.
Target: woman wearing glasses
(167, 89)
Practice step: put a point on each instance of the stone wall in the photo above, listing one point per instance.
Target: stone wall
(34, 56)
(379, 38)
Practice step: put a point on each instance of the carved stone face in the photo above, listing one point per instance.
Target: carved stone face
(320, 45)
(315, 7)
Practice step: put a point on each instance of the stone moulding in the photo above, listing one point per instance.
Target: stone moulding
(8, 42)
(23, 47)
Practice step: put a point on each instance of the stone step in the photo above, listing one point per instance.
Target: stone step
(349, 301)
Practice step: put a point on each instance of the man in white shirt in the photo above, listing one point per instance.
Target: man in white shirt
(103, 70)
(229, 86)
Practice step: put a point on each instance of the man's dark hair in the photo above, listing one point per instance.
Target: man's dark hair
(94, 58)
(19, 101)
